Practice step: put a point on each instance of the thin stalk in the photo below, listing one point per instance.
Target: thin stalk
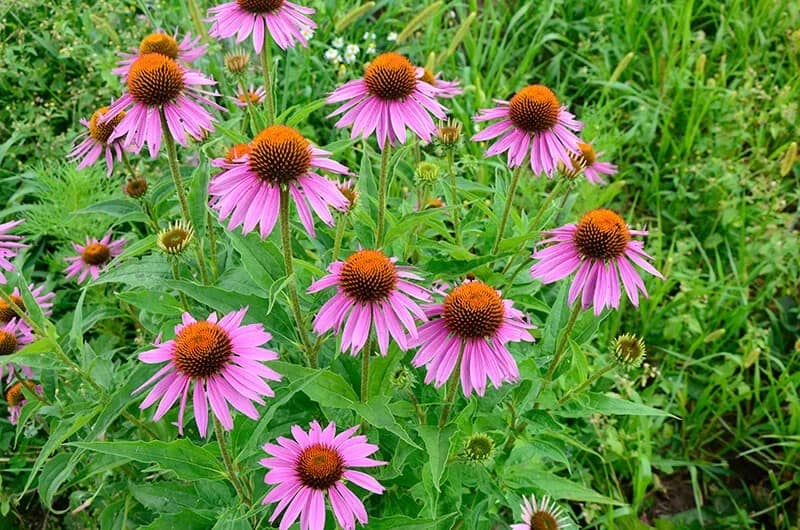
(365, 353)
(580, 388)
(561, 348)
(454, 197)
(233, 476)
(286, 240)
(337, 242)
(212, 243)
(251, 109)
(382, 183)
(452, 387)
(172, 156)
(197, 20)
(266, 64)
(177, 275)
(127, 164)
(509, 200)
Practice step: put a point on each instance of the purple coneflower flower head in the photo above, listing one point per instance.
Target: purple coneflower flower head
(371, 291)
(600, 248)
(446, 89)
(316, 463)
(96, 140)
(286, 22)
(585, 161)
(248, 188)
(390, 97)
(16, 399)
(14, 335)
(473, 324)
(93, 257)
(158, 84)
(256, 95)
(532, 123)
(43, 299)
(542, 515)
(9, 246)
(349, 189)
(223, 362)
(186, 51)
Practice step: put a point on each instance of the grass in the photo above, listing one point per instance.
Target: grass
(697, 103)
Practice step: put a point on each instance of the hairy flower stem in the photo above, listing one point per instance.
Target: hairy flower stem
(177, 275)
(233, 476)
(454, 197)
(337, 242)
(365, 353)
(561, 348)
(580, 388)
(452, 387)
(286, 240)
(507, 209)
(251, 109)
(145, 204)
(69, 362)
(197, 20)
(382, 184)
(266, 64)
(172, 156)
(212, 244)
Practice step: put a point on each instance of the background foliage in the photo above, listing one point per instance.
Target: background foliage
(696, 101)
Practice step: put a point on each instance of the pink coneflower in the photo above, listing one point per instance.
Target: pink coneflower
(315, 463)
(9, 246)
(186, 51)
(256, 95)
(96, 140)
(371, 291)
(286, 22)
(585, 160)
(158, 84)
(534, 122)
(390, 97)
(543, 515)
(93, 257)
(474, 324)
(14, 335)
(222, 359)
(446, 89)
(599, 247)
(16, 399)
(43, 299)
(248, 190)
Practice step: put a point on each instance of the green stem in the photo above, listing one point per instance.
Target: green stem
(577, 390)
(559, 354)
(286, 240)
(337, 242)
(197, 20)
(172, 156)
(454, 197)
(382, 183)
(212, 243)
(128, 165)
(177, 275)
(233, 476)
(266, 64)
(452, 387)
(507, 209)
(365, 353)
(251, 110)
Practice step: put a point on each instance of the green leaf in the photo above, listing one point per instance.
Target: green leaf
(204, 496)
(31, 306)
(186, 520)
(329, 390)
(591, 403)
(556, 320)
(187, 460)
(452, 267)
(148, 272)
(114, 207)
(377, 414)
(261, 259)
(525, 476)
(198, 199)
(38, 354)
(65, 428)
(54, 474)
(437, 445)
(407, 523)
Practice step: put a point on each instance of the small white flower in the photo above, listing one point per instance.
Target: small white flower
(349, 58)
(306, 32)
(352, 49)
(391, 37)
(371, 48)
(338, 42)
(369, 36)
(332, 56)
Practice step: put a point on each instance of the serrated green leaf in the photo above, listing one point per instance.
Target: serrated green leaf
(377, 413)
(330, 389)
(187, 460)
(437, 445)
